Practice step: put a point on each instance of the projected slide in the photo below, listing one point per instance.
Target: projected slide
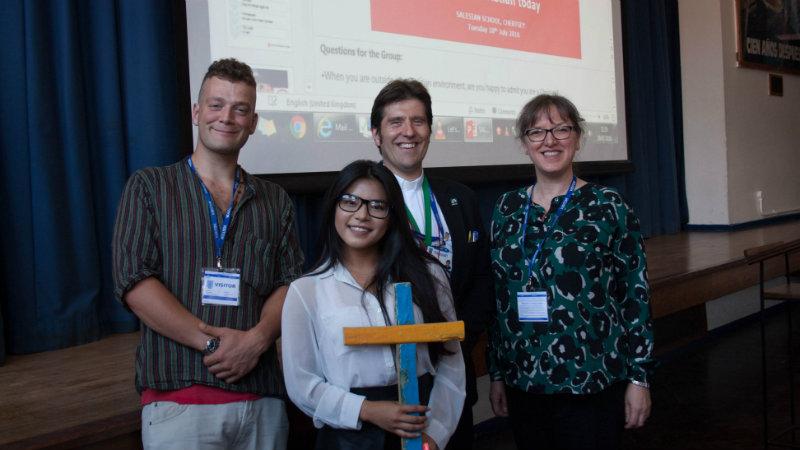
(319, 65)
(504, 24)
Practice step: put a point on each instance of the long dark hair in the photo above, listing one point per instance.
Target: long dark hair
(401, 258)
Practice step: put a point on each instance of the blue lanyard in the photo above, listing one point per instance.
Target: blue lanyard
(438, 220)
(550, 226)
(219, 235)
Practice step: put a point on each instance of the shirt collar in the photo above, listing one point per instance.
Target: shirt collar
(412, 185)
(245, 189)
(340, 273)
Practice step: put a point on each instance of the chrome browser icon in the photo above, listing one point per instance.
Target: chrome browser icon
(297, 126)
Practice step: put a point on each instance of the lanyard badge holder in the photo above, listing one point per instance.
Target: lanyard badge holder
(220, 285)
(532, 305)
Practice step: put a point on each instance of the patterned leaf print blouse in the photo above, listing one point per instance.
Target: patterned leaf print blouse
(600, 330)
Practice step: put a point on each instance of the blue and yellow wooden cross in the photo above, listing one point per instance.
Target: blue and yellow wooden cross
(405, 335)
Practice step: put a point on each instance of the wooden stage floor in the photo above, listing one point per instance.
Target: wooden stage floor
(690, 268)
(84, 396)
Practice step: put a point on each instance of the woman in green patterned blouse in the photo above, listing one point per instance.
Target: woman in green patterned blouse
(570, 353)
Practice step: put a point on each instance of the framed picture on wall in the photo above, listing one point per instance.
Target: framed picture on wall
(768, 34)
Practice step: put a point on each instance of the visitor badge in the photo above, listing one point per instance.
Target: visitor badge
(220, 287)
(532, 306)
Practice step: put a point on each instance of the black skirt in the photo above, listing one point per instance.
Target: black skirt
(371, 436)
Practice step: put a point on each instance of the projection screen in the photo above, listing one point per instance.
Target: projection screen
(320, 63)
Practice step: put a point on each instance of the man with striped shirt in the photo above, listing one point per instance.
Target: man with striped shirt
(203, 255)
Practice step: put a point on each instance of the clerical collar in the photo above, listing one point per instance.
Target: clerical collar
(410, 185)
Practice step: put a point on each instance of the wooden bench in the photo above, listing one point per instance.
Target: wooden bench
(789, 290)
(786, 291)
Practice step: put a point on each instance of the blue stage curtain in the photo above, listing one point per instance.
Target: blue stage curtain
(89, 89)
(656, 188)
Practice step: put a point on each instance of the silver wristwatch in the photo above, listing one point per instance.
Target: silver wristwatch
(211, 346)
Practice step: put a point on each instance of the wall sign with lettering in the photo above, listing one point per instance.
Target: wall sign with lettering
(769, 34)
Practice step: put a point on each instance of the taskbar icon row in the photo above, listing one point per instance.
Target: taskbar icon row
(337, 127)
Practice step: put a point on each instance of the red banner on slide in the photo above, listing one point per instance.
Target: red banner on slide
(550, 27)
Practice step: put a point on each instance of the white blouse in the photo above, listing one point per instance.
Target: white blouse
(320, 370)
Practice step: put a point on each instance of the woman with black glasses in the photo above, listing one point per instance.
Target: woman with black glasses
(570, 352)
(364, 246)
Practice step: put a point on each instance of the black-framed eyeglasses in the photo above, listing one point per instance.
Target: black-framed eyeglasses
(560, 132)
(378, 209)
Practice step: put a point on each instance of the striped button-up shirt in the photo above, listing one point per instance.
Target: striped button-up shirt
(163, 230)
